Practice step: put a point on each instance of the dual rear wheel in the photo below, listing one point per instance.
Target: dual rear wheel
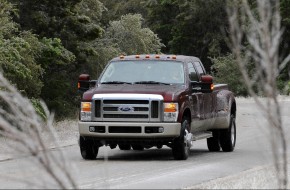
(224, 139)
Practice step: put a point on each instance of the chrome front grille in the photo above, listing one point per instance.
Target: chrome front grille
(127, 107)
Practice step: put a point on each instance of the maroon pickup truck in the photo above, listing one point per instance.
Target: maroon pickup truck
(146, 101)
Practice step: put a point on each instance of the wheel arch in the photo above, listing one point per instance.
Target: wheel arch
(234, 108)
(187, 114)
(226, 106)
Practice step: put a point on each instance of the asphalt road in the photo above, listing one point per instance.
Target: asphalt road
(154, 168)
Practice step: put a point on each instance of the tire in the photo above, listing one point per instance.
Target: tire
(88, 150)
(159, 146)
(228, 136)
(124, 146)
(180, 147)
(137, 147)
(213, 143)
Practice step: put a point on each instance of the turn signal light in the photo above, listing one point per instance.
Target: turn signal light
(170, 107)
(86, 106)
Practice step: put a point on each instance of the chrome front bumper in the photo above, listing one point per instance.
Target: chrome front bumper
(142, 130)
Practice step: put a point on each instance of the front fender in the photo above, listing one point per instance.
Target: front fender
(184, 109)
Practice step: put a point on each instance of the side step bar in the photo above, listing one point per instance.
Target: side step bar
(201, 135)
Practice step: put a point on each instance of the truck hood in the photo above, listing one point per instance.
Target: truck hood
(169, 92)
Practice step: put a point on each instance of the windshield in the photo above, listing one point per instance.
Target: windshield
(144, 72)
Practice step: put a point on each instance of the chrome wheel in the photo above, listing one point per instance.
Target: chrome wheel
(181, 145)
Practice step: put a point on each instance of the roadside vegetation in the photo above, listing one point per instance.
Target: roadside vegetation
(45, 45)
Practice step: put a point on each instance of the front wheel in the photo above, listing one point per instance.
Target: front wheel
(125, 147)
(181, 145)
(228, 136)
(89, 151)
(137, 147)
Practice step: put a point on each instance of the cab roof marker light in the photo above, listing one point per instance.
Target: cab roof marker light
(137, 56)
(157, 56)
(174, 57)
(122, 56)
(147, 56)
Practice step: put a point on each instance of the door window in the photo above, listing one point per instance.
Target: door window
(199, 68)
(192, 72)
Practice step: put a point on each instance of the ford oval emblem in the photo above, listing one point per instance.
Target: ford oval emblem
(126, 109)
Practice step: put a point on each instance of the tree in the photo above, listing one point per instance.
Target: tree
(18, 54)
(20, 124)
(200, 30)
(131, 37)
(162, 17)
(261, 30)
(55, 60)
(226, 71)
(66, 30)
(114, 9)
(284, 78)
(125, 36)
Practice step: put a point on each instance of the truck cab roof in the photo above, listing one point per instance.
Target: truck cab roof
(153, 57)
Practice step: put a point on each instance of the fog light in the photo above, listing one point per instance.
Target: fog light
(92, 129)
(160, 130)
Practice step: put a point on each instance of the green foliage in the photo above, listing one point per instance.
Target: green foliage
(226, 71)
(199, 28)
(114, 9)
(162, 18)
(38, 108)
(57, 92)
(49, 43)
(66, 29)
(283, 83)
(18, 53)
(54, 54)
(131, 37)
(124, 36)
(6, 25)
(19, 65)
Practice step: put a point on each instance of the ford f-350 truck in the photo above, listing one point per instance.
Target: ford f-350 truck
(144, 101)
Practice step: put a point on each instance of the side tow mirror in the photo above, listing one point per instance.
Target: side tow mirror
(205, 86)
(84, 83)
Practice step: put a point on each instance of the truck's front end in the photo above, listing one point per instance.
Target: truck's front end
(134, 104)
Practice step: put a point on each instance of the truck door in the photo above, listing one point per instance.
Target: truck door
(208, 100)
(195, 100)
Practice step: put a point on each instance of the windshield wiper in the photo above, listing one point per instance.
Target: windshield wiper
(150, 82)
(116, 82)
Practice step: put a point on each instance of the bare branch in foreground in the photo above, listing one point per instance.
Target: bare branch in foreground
(261, 31)
(20, 124)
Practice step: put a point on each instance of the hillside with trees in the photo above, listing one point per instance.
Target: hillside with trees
(45, 45)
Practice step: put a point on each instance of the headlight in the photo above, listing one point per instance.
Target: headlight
(170, 112)
(86, 111)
